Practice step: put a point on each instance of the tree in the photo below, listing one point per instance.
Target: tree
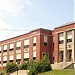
(44, 65)
(24, 66)
(11, 67)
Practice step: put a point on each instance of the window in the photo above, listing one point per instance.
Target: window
(26, 42)
(18, 61)
(26, 59)
(61, 56)
(17, 48)
(5, 47)
(45, 40)
(69, 55)
(45, 43)
(26, 46)
(34, 41)
(0, 49)
(4, 50)
(11, 49)
(61, 41)
(11, 45)
(34, 58)
(69, 40)
(53, 44)
(4, 61)
(34, 44)
(18, 45)
(11, 60)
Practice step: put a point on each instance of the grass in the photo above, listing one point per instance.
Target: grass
(53, 72)
(2, 71)
(59, 72)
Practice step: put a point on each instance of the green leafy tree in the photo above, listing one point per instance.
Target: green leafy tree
(44, 65)
(11, 67)
(24, 66)
(32, 67)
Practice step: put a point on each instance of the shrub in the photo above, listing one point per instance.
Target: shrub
(11, 67)
(32, 67)
(38, 67)
(24, 66)
(44, 65)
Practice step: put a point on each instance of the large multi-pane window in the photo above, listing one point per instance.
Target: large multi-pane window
(0, 55)
(26, 45)
(26, 49)
(69, 55)
(18, 52)
(69, 36)
(11, 52)
(4, 55)
(34, 41)
(11, 46)
(5, 48)
(18, 45)
(61, 53)
(34, 48)
(45, 40)
(0, 49)
(61, 38)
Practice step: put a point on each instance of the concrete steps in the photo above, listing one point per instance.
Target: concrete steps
(61, 65)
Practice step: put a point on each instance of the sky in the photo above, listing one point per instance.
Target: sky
(21, 16)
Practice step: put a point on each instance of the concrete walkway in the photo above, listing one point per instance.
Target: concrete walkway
(20, 72)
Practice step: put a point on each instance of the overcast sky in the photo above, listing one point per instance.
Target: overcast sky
(31, 14)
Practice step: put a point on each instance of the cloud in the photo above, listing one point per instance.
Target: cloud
(29, 2)
(13, 6)
(6, 31)
(5, 25)
(3, 33)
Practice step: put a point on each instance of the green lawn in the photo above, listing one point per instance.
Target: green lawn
(2, 71)
(59, 72)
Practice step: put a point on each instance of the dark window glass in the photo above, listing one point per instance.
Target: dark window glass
(69, 40)
(17, 48)
(27, 59)
(11, 49)
(26, 46)
(53, 44)
(11, 60)
(45, 43)
(34, 44)
(61, 56)
(34, 58)
(18, 61)
(61, 41)
(4, 61)
(4, 50)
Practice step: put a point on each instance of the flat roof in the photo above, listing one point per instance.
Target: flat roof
(25, 33)
(66, 24)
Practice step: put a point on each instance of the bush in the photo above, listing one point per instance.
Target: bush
(37, 67)
(11, 67)
(32, 67)
(44, 65)
(24, 66)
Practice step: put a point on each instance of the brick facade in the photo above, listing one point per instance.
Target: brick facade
(40, 47)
